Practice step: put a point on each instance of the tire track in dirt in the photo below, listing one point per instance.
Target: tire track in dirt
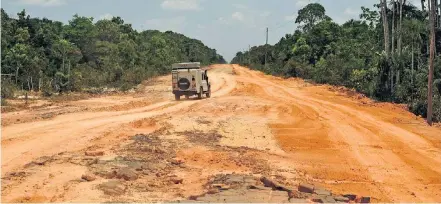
(380, 150)
(73, 131)
(253, 123)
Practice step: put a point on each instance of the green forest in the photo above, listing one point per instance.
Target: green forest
(384, 55)
(51, 57)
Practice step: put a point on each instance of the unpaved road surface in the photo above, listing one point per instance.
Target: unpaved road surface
(148, 147)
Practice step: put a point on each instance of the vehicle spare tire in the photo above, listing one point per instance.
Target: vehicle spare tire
(183, 83)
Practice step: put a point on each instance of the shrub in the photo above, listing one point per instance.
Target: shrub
(126, 86)
(8, 89)
(4, 102)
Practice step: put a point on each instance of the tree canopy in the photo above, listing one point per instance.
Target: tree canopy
(41, 54)
(311, 15)
(353, 55)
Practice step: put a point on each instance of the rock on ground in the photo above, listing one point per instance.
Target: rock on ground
(113, 188)
(237, 188)
(126, 174)
(94, 153)
(42, 160)
(88, 177)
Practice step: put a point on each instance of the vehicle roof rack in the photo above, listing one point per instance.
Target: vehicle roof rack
(187, 65)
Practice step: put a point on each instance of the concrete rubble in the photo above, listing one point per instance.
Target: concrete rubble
(240, 188)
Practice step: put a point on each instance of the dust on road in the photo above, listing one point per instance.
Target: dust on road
(152, 148)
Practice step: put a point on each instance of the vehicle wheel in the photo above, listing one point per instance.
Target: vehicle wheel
(208, 94)
(200, 93)
(177, 97)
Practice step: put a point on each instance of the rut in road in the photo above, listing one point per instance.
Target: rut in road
(286, 129)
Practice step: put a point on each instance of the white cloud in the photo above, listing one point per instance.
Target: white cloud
(106, 16)
(245, 16)
(223, 21)
(238, 16)
(45, 3)
(351, 12)
(176, 24)
(240, 6)
(302, 3)
(290, 18)
(340, 20)
(14, 15)
(181, 4)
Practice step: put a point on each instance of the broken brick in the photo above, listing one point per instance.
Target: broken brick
(306, 188)
(365, 199)
(350, 196)
(273, 184)
(322, 192)
(341, 199)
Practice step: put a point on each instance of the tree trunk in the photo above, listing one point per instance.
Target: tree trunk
(423, 8)
(392, 74)
(16, 74)
(429, 5)
(428, 46)
(435, 21)
(400, 37)
(393, 27)
(400, 28)
(29, 84)
(385, 27)
(436, 16)
(386, 32)
(50, 84)
(68, 76)
(413, 65)
(32, 84)
(431, 68)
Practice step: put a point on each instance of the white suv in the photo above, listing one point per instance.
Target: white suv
(189, 79)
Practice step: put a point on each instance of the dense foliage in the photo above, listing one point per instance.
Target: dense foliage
(353, 55)
(44, 55)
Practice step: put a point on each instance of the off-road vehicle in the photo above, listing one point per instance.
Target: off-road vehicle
(189, 79)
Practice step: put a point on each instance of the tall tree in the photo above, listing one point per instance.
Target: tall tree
(436, 14)
(385, 26)
(393, 25)
(400, 26)
(392, 68)
(41, 54)
(311, 15)
(399, 49)
(353, 55)
(413, 36)
(431, 62)
(439, 14)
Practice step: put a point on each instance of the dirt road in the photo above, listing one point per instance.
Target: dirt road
(255, 124)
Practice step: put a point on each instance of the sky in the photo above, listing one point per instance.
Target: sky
(228, 26)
